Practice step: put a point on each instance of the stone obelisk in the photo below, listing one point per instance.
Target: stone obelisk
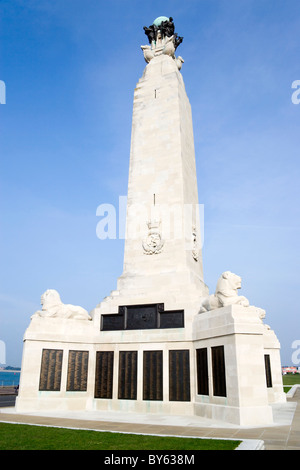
(162, 256)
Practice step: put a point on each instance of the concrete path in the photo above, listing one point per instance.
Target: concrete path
(283, 435)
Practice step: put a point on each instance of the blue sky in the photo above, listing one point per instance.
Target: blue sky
(70, 68)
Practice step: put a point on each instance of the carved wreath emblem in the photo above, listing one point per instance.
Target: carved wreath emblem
(153, 243)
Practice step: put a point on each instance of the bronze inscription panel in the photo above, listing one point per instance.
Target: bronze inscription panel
(127, 375)
(104, 374)
(153, 375)
(219, 372)
(77, 371)
(50, 377)
(179, 375)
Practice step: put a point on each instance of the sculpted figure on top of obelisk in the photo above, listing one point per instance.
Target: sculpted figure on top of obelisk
(162, 39)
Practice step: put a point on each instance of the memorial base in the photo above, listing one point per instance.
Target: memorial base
(225, 368)
(247, 416)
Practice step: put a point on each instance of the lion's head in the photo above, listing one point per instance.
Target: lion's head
(228, 283)
(50, 298)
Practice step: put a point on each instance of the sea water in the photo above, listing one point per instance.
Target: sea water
(9, 379)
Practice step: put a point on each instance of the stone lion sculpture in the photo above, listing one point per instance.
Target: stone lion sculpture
(226, 293)
(52, 307)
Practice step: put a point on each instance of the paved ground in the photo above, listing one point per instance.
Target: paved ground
(282, 436)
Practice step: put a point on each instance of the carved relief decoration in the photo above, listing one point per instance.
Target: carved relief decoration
(153, 243)
(195, 248)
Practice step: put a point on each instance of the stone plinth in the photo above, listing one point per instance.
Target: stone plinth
(246, 341)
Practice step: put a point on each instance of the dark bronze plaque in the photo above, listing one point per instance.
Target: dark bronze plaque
(219, 373)
(104, 374)
(179, 375)
(202, 372)
(268, 371)
(142, 317)
(77, 371)
(128, 375)
(51, 366)
(153, 375)
(112, 322)
(172, 319)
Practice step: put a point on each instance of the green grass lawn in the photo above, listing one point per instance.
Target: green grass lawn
(26, 437)
(291, 379)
